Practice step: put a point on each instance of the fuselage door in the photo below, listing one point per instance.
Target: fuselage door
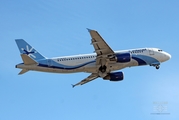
(151, 52)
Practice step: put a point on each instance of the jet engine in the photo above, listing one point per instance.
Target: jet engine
(123, 57)
(116, 76)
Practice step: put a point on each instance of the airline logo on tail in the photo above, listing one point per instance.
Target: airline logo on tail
(29, 51)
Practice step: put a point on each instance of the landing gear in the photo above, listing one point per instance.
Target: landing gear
(157, 67)
(102, 69)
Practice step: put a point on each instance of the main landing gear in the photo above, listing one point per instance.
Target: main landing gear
(102, 68)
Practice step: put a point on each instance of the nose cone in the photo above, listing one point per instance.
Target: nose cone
(167, 56)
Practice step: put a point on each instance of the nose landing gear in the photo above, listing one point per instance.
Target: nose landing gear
(157, 67)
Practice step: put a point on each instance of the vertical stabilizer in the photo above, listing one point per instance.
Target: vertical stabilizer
(27, 49)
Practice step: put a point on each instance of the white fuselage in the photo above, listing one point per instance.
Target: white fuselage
(87, 63)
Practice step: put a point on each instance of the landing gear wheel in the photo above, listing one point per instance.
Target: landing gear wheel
(157, 67)
(102, 68)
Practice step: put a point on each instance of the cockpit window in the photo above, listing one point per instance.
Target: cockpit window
(159, 50)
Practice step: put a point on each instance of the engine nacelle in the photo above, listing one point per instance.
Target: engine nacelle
(116, 76)
(123, 57)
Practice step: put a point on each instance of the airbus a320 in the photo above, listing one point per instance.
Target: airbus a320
(103, 63)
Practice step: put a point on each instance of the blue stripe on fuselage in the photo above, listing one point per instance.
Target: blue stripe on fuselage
(61, 66)
(140, 61)
(144, 59)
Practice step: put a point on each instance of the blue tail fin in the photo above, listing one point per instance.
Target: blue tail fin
(27, 49)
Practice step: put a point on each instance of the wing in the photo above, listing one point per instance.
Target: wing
(88, 79)
(102, 49)
(104, 55)
(100, 46)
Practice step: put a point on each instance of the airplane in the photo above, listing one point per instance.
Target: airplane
(103, 63)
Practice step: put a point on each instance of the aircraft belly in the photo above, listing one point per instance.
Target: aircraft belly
(119, 66)
(56, 70)
(116, 66)
(90, 68)
(133, 63)
(87, 68)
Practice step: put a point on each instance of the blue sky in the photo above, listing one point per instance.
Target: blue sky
(57, 28)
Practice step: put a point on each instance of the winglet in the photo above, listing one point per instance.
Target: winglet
(88, 29)
(73, 85)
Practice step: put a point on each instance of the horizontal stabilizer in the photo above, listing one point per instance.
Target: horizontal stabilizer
(27, 60)
(23, 71)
